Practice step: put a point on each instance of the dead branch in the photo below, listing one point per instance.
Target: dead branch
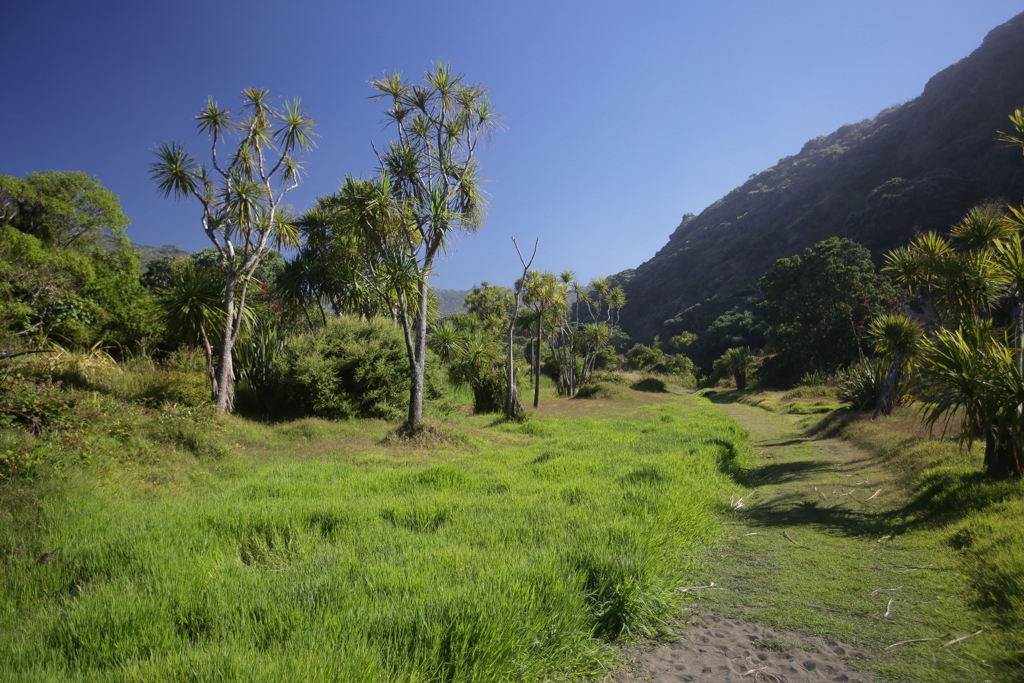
(915, 640)
(687, 589)
(793, 540)
(960, 640)
(873, 495)
(888, 609)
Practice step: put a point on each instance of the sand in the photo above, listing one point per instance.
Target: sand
(717, 650)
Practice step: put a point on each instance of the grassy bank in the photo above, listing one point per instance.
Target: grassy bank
(874, 532)
(324, 551)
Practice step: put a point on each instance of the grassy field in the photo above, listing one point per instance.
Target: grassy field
(873, 532)
(221, 549)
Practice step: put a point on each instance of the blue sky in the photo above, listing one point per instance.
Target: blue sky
(620, 117)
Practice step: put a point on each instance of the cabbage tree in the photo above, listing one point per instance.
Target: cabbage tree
(241, 194)
(428, 191)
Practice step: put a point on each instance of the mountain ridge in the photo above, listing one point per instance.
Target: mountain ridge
(915, 166)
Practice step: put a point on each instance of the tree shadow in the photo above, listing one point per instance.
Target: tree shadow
(725, 397)
(794, 510)
(944, 496)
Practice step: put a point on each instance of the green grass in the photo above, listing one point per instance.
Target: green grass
(805, 400)
(194, 548)
(940, 541)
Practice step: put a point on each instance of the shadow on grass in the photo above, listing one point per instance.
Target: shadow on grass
(719, 397)
(944, 496)
(794, 510)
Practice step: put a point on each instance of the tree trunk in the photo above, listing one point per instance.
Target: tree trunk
(741, 380)
(890, 396)
(536, 362)
(418, 357)
(513, 406)
(225, 389)
(1002, 454)
(211, 373)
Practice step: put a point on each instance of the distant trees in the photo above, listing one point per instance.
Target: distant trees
(545, 295)
(241, 196)
(817, 305)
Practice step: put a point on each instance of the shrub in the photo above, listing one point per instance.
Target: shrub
(861, 384)
(599, 389)
(642, 357)
(352, 368)
(652, 385)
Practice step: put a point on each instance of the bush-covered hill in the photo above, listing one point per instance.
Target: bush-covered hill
(146, 253)
(918, 165)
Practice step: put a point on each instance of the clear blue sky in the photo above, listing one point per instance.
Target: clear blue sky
(620, 117)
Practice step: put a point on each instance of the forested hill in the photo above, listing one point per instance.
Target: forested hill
(919, 165)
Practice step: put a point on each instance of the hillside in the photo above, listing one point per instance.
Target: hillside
(915, 166)
(146, 253)
(452, 300)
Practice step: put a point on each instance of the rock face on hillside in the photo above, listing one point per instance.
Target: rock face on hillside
(916, 166)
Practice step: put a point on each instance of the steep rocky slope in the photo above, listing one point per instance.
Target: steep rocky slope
(916, 166)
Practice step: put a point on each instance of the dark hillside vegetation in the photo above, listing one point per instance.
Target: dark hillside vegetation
(917, 166)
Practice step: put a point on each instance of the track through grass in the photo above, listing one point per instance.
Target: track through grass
(830, 541)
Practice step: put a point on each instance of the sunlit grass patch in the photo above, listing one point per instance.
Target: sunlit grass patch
(317, 550)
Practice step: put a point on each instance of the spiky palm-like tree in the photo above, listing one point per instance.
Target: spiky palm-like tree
(599, 286)
(428, 190)
(1010, 261)
(241, 196)
(193, 306)
(898, 337)
(737, 362)
(977, 378)
(543, 293)
(616, 300)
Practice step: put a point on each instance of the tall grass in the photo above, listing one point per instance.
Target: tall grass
(308, 551)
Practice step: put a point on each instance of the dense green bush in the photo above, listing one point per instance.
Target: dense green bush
(352, 368)
(652, 385)
(642, 357)
(600, 389)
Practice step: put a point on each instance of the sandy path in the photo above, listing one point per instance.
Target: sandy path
(716, 650)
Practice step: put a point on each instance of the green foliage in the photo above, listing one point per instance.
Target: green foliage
(818, 305)
(861, 384)
(77, 298)
(255, 358)
(642, 357)
(654, 385)
(351, 368)
(62, 209)
(480, 365)
(739, 326)
(600, 388)
(490, 305)
(681, 342)
(737, 362)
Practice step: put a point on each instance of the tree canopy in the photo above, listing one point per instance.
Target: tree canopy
(818, 304)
